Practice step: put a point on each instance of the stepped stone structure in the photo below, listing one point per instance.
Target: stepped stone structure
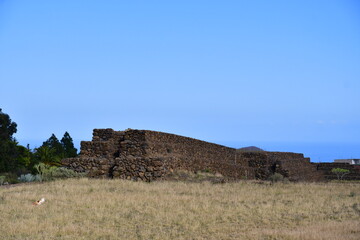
(326, 167)
(149, 155)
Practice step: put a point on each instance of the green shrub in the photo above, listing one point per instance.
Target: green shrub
(30, 178)
(352, 194)
(10, 177)
(45, 171)
(62, 172)
(2, 180)
(49, 173)
(340, 172)
(276, 177)
(286, 180)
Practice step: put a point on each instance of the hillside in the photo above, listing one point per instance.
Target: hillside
(250, 149)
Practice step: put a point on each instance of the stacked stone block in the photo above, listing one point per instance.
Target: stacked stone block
(328, 175)
(149, 155)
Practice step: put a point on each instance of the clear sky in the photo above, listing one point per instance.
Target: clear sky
(270, 73)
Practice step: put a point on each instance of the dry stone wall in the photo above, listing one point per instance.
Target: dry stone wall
(291, 165)
(325, 168)
(149, 155)
(190, 154)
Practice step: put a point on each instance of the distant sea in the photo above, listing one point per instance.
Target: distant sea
(317, 152)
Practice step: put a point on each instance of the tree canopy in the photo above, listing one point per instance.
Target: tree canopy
(15, 158)
(8, 144)
(7, 127)
(53, 150)
(54, 144)
(68, 146)
(340, 172)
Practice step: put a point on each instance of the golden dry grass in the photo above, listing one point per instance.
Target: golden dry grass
(117, 209)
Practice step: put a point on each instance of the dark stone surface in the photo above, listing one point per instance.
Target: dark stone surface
(326, 168)
(149, 155)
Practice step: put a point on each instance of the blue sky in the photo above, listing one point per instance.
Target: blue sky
(270, 73)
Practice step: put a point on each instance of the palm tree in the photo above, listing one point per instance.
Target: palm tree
(47, 155)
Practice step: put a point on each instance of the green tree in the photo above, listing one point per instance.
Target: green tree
(68, 146)
(24, 155)
(47, 155)
(340, 172)
(52, 150)
(8, 149)
(7, 127)
(54, 144)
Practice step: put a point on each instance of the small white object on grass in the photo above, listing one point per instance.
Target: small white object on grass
(41, 201)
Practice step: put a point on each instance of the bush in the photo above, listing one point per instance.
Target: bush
(200, 176)
(276, 177)
(352, 194)
(30, 178)
(10, 177)
(340, 172)
(286, 181)
(49, 173)
(62, 172)
(2, 180)
(45, 171)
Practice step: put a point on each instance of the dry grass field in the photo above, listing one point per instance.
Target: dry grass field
(116, 209)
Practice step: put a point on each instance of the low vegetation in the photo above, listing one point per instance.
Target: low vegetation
(340, 172)
(277, 177)
(18, 163)
(46, 172)
(199, 176)
(117, 209)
